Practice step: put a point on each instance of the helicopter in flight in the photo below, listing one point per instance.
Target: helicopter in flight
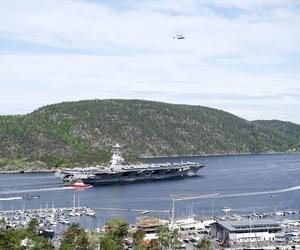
(179, 36)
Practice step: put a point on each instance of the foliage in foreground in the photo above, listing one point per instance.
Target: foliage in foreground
(204, 244)
(21, 239)
(117, 230)
(76, 238)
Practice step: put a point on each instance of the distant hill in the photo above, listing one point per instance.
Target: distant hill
(287, 129)
(83, 132)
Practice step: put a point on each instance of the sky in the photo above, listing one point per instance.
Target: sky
(241, 56)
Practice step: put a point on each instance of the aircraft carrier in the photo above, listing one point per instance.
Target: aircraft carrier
(118, 171)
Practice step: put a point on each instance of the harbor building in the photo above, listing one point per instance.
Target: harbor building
(149, 224)
(246, 230)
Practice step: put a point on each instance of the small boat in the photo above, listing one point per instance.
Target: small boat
(30, 196)
(90, 212)
(80, 184)
(72, 213)
(226, 209)
(145, 212)
(64, 221)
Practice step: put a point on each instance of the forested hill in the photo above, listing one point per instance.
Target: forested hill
(287, 129)
(83, 132)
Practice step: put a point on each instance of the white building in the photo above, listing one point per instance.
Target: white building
(246, 231)
(192, 224)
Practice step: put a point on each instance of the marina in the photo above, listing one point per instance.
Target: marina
(271, 229)
(16, 216)
(47, 217)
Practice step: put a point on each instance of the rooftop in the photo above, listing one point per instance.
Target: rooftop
(250, 225)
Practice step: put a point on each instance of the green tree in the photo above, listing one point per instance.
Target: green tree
(41, 243)
(164, 237)
(153, 245)
(75, 238)
(2, 223)
(138, 237)
(108, 243)
(11, 238)
(204, 244)
(32, 227)
(175, 243)
(117, 229)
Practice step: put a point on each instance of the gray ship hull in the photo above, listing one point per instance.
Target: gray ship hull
(118, 172)
(138, 175)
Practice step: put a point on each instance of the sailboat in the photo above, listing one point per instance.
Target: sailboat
(73, 213)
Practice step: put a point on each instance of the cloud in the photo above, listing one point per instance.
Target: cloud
(91, 26)
(236, 53)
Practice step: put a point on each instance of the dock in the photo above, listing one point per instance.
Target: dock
(131, 210)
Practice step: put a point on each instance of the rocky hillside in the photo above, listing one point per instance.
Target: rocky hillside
(83, 132)
(287, 129)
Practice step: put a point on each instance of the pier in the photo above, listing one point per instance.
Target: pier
(132, 210)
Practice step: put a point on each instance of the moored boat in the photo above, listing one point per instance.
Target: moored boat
(226, 209)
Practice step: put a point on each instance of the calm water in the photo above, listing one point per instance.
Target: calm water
(246, 183)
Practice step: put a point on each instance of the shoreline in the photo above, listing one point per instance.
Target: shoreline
(53, 170)
(206, 155)
(28, 171)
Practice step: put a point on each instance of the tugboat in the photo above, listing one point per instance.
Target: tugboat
(119, 172)
(80, 184)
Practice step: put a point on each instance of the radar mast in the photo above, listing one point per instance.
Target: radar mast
(117, 157)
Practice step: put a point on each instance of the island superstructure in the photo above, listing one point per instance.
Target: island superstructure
(118, 171)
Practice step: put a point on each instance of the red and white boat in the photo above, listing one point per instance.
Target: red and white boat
(80, 184)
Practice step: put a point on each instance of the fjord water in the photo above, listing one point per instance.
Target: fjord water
(245, 183)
